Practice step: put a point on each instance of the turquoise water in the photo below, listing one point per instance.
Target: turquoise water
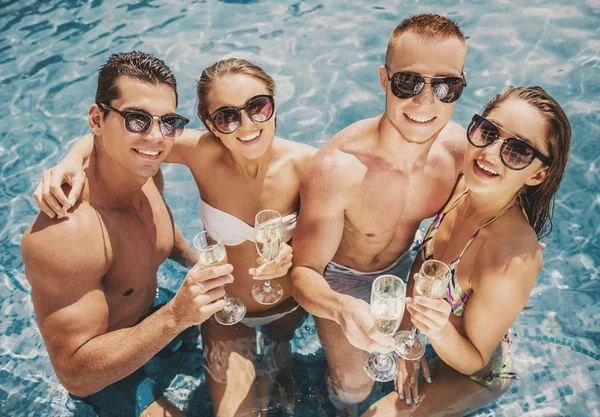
(324, 58)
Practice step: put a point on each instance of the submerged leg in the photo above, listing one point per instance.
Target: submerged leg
(229, 354)
(347, 382)
(450, 394)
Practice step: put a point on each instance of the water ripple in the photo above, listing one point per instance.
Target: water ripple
(324, 57)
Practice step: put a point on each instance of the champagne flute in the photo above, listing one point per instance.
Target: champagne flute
(431, 281)
(211, 253)
(268, 235)
(388, 297)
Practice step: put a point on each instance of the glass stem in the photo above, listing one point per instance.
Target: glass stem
(267, 286)
(413, 335)
(227, 302)
(382, 361)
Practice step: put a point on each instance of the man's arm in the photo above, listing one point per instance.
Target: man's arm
(72, 311)
(323, 197)
(324, 194)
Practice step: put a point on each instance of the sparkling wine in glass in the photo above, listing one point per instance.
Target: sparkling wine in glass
(211, 253)
(431, 281)
(268, 234)
(388, 294)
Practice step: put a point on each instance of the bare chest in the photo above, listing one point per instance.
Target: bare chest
(140, 241)
(389, 202)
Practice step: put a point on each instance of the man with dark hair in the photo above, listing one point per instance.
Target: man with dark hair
(366, 192)
(95, 294)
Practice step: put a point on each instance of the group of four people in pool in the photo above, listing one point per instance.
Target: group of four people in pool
(92, 259)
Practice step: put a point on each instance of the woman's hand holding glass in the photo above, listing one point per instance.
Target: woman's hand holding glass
(429, 315)
(279, 267)
(268, 235)
(431, 281)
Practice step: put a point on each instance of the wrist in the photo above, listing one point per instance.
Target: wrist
(343, 305)
(172, 321)
(73, 159)
(440, 334)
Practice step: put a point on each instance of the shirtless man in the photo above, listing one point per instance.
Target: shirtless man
(366, 192)
(95, 293)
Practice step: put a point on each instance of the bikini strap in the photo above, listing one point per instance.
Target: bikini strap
(427, 245)
(493, 219)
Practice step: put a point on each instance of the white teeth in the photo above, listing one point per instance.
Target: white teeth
(250, 137)
(419, 119)
(149, 153)
(486, 168)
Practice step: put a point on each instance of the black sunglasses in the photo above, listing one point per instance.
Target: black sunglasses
(515, 153)
(138, 122)
(445, 89)
(228, 119)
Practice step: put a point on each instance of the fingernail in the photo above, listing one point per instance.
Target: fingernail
(417, 299)
(251, 271)
(401, 396)
(408, 401)
(72, 202)
(428, 380)
(416, 400)
(51, 215)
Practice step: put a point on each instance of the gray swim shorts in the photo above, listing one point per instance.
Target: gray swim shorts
(358, 284)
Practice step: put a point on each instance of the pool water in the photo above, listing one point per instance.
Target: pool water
(324, 58)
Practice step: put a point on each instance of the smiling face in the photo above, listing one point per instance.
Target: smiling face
(421, 117)
(139, 155)
(251, 139)
(483, 168)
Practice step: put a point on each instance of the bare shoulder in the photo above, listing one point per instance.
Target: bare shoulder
(453, 139)
(74, 247)
(516, 256)
(193, 145)
(295, 152)
(332, 169)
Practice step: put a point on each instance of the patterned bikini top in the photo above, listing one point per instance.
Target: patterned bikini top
(455, 295)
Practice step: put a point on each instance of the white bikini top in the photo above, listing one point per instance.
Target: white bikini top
(234, 231)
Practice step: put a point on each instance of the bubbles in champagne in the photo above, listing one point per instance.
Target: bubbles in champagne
(431, 287)
(213, 255)
(388, 315)
(268, 241)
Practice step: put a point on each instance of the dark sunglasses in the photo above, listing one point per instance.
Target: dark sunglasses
(445, 89)
(514, 153)
(227, 119)
(138, 122)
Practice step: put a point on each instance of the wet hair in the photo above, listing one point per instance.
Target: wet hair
(230, 66)
(427, 26)
(538, 200)
(137, 65)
